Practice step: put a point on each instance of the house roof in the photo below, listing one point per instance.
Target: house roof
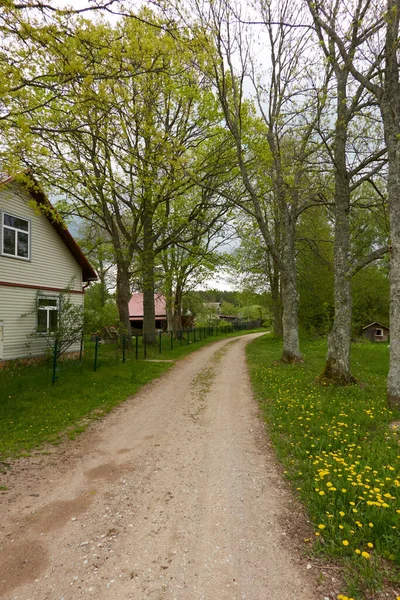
(136, 306)
(376, 324)
(88, 273)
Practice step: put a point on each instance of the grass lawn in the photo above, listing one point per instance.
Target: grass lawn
(343, 458)
(34, 412)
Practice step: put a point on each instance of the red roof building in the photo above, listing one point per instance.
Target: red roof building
(136, 311)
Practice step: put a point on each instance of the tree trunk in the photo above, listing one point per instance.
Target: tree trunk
(390, 109)
(276, 302)
(149, 315)
(170, 315)
(169, 303)
(177, 313)
(123, 297)
(102, 280)
(337, 366)
(393, 381)
(290, 299)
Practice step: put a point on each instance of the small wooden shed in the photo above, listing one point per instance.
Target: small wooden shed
(109, 335)
(376, 332)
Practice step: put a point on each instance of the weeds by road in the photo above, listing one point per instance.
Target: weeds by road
(342, 455)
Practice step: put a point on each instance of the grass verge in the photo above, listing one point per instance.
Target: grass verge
(342, 456)
(34, 412)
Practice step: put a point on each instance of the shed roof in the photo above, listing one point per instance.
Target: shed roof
(48, 210)
(136, 306)
(376, 324)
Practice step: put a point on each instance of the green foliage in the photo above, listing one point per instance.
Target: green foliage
(256, 311)
(370, 297)
(340, 452)
(227, 308)
(315, 273)
(98, 314)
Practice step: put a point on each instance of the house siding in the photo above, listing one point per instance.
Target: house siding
(51, 265)
(18, 312)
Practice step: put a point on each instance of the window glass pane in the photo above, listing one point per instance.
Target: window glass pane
(53, 320)
(42, 321)
(23, 245)
(8, 241)
(48, 302)
(16, 222)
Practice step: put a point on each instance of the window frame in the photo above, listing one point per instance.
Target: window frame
(47, 309)
(3, 226)
(380, 334)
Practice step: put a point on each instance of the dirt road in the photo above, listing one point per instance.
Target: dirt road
(173, 496)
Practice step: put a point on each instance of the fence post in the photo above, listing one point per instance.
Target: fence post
(96, 348)
(144, 345)
(188, 334)
(123, 348)
(180, 336)
(54, 376)
(172, 340)
(136, 346)
(194, 334)
(81, 349)
(159, 342)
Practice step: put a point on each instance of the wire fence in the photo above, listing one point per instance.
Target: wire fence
(95, 352)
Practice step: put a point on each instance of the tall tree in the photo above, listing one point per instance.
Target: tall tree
(354, 162)
(119, 139)
(288, 122)
(384, 83)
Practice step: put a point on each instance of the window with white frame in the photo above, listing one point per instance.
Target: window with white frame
(379, 333)
(15, 236)
(47, 314)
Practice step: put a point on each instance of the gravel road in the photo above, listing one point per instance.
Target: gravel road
(175, 495)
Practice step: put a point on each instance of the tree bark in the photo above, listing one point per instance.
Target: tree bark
(337, 366)
(390, 110)
(276, 302)
(149, 314)
(177, 313)
(290, 298)
(123, 297)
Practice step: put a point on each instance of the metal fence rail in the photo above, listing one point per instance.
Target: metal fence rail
(94, 352)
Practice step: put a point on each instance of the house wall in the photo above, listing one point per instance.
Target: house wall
(18, 312)
(370, 334)
(51, 265)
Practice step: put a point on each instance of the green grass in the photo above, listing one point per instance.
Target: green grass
(34, 412)
(338, 450)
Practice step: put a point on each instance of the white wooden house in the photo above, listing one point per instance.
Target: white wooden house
(39, 259)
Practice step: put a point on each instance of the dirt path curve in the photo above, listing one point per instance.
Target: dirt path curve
(172, 496)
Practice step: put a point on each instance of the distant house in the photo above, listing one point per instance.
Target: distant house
(230, 318)
(39, 259)
(375, 332)
(215, 307)
(136, 312)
